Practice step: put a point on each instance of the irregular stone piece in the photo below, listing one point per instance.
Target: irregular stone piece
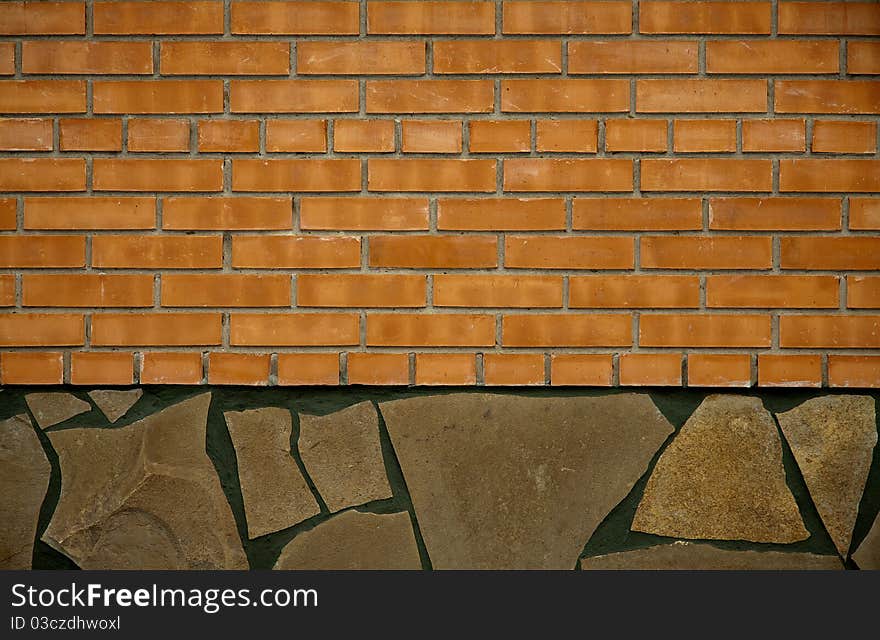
(687, 556)
(502, 482)
(51, 408)
(275, 494)
(722, 478)
(342, 454)
(832, 439)
(867, 556)
(353, 540)
(144, 496)
(115, 404)
(24, 478)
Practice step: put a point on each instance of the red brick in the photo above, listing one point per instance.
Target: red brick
(163, 367)
(864, 213)
(41, 330)
(42, 174)
(513, 369)
(774, 214)
(139, 18)
(296, 136)
(296, 175)
(42, 18)
(704, 330)
(295, 18)
(830, 252)
(565, 95)
(789, 370)
(568, 252)
(498, 56)
(190, 57)
(42, 96)
(543, 174)
(431, 175)
(238, 368)
(827, 96)
(367, 214)
(295, 252)
(360, 290)
(701, 96)
(293, 96)
(706, 252)
(241, 213)
(567, 17)
(430, 330)
(366, 57)
(473, 290)
(97, 367)
(772, 56)
(29, 251)
(704, 135)
(7, 290)
(719, 370)
(854, 371)
(773, 135)
(863, 292)
(158, 96)
(25, 134)
(8, 214)
(30, 367)
(500, 214)
(158, 135)
(636, 214)
(632, 56)
(378, 368)
(425, 17)
(650, 369)
(829, 331)
(431, 136)
(704, 17)
(156, 252)
(293, 329)
(862, 57)
(86, 57)
(709, 174)
(230, 136)
(772, 291)
(499, 136)
(433, 252)
(155, 329)
(634, 291)
(360, 136)
(580, 370)
(445, 369)
(430, 96)
(834, 136)
(90, 134)
(829, 18)
(86, 290)
(7, 58)
(573, 136)
(308, 369)
(90, 212)
(225, 290)
(635, 135)
(112, 174)
(566, 330)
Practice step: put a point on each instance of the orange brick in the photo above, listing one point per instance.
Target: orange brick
(41, 330)
(86, 290)
(632, 56)
(295, 18)
(704, 330)
(89, 212)
(101, 368)
(499, 214)
(360, 290)
(358, 136)
(90, 134)
(368, 214)
(567, 17)
(773, 135)
(701, 96)
(42, 18)
(635, 135)
(229, 136)
(565, 95)
(829, 175)
(431, 17)
(829, 331)
(863, 292)
(772, 56)
(433, 252)
(580, 370)
(543, 174)
(7, 290)
(366, 57)
(862, 57)
(156, 329)
(834, 136)
(633, 291)
(294, 329)
(568, 252)
(28, 367)
(8, 214)
(308, 368)
(770, 291)
(704, 17)
(42, 96)
(378, 368)
(789, 370)
(635, 214)
(431, 175)
(189, 57)
(112, 174)
(162, 367)
(566, 330)
(83, 56)
(498, 56)
(575, 136)
(827, 96)
(706, 174)
(704, 135)
(296, 136)
(293, 96)
(225, 290)
(864, 213)
(830, 252)
(473, 290)
(431, 136)
(854, 371)
(706, 252)
(513, 369)
(499, 136)
(42, 174)
(25, 134)
(158, 96)
(238, 368)
(157, 252)
(719, 370)
(772, 214)
(446, 369)
(296, 175)
(27, 251)
(437, 330)
(7, 58)
(650, 369)
(236, 214)
(430, 96)
(138, 18)
(829, 18)
(295, 252)
(158, 135)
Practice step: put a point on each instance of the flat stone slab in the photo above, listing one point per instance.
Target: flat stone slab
(24, 479)
(53, 408)
(342, 454)
(115, 404)
(275, 494)
(832, 439)
(689, 556)
(144, 496)
(722, 478)
(867, 556)
(509, 482)
(353, 540)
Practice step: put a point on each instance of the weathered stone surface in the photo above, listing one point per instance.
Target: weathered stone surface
(144, 496)
(51, 408)
(342, 454)
(689, 556)
(867, 556)
(353, 540)
(24, 478)
(832, 439)
(502, 481)
(115, 404)
(275, 494)
(722, 478)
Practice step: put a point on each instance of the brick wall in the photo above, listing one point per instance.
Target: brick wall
(518, 192)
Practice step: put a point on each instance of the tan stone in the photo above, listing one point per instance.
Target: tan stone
(342, 454)
(688, 556)
(502, 481)
(867, 556)
(115, 404)
(51, 408)
(24, 478)
(832, 439)
(275, 494)
(353, 540)
(144, 496)
(722, 478)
